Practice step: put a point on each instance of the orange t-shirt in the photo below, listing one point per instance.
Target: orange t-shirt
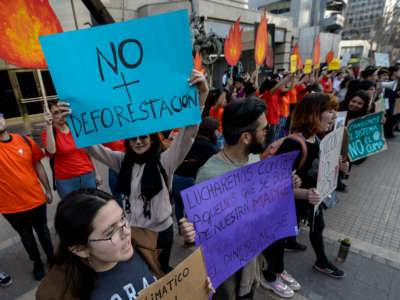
(292, 96)
(285, 105)
(20, 189)
(217, 115)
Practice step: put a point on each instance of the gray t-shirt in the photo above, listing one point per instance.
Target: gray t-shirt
(216, 166)
(124, 281)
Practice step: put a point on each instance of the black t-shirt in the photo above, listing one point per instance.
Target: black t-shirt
(308, 172)
(124, 281)
(200, 152)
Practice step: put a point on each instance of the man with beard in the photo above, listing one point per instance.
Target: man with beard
(244, 128)
(23, 202)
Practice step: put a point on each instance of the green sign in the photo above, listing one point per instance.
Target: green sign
(366, 136)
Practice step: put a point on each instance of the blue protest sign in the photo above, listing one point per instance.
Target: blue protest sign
(238, 214)
(125, 79)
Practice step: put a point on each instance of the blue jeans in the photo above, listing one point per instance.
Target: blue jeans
(64, 187)
(112, 182)
(180, 183)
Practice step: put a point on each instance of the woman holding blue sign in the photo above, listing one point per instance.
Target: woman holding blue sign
(146, 173)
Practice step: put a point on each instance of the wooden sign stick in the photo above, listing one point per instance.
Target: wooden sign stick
(43, 90)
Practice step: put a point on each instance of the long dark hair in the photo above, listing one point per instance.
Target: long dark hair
(150, 183)
(306, 117)
(212, 98)
(207, 129)
(73, 223)
(344, 106)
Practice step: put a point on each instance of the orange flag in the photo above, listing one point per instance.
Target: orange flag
(316, 53)
(329, 57)
(233, 44)
(198, 63)
(296, 52)
(21, 24)
(260, 49)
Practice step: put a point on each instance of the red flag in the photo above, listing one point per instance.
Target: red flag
(316, 52)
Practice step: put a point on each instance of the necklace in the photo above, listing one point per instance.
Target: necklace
(226, 155)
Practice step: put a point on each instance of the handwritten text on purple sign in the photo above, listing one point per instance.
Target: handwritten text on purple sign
(238, 214)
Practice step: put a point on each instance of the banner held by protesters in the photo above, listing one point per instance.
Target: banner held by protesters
(238, 214)
(117, 81)
(366, 136)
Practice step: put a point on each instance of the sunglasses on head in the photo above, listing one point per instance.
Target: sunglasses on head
(141, 138)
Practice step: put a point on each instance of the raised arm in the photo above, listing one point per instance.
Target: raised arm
(111, 159)
(182, 143)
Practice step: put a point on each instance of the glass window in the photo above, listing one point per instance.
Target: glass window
(8, 102)
(27, 84)
(28, 87)
(48, 83)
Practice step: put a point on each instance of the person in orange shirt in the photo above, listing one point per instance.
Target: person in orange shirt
(23, 202)
(216, 112)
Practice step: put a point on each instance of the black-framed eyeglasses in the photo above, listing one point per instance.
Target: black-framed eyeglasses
(141, 138)
(113, 236)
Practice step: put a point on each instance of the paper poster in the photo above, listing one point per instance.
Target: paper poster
(238, 214)
(125, 79)
(328, 170)
(366, 136)
(308, 66)
(380, 105)
(345, 59)
(382, 59)
(188, 278)
(340, 119)
(334, 65)
(293, 63)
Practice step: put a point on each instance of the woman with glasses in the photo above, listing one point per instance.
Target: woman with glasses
(146, 173)
(99, 256)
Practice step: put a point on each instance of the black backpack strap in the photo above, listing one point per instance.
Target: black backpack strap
(27, 141)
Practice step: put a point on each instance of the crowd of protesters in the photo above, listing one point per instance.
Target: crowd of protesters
(95, 257)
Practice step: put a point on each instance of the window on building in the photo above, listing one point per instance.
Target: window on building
(8, 102)
(29, 89)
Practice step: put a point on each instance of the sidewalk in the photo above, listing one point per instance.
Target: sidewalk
(368, 215)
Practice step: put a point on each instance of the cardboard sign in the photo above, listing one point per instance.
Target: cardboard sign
(396, 107)
(334, 65)
(293, 63)
(380, 105)
(125, 79)
(328, 171)
(366, 136)
(308, 66)
(340, 119)
(188, 278)
(238, 214)
(382, 59)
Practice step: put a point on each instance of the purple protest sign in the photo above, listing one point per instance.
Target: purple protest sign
(238, 214)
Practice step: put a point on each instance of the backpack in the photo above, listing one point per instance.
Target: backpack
(272, 149)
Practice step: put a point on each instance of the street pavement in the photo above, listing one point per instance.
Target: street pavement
(367, 214)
